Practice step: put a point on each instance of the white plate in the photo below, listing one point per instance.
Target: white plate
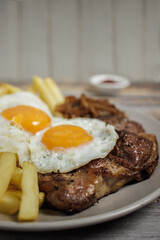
(126, 200)
(97, 82)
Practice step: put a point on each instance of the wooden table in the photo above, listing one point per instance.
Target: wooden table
(143, 224)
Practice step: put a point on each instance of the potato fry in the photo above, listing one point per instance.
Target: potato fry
(55, 90)
(9, 203)
(30, 193)
(3, 90)
(12, 187)
(41, 199)
(45, 94)
(7, 168)
(16, 178)
(57, 114)
(32, 89)
(10, 88)
(16, 193)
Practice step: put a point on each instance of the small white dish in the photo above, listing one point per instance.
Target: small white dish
(108, 83)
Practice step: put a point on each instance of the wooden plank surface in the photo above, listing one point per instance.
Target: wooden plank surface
(64, 39)
(129, 38)
(142, 224)
(8, 40)
(153, 40)
(97, 47)
(32, 39)
(71, 40)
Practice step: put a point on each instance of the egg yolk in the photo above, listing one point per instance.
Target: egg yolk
(65, 136)
(29, 118)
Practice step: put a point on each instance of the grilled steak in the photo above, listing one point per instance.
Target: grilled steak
(98, 108)
(134, 158)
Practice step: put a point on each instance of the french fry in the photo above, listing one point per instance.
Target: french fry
(18, 194)
(32, 89)
(7, 168)
(12, 187)
(55, 90)
(30, 193)
(41, 199)
(10, 88)
(45, 94)
(3, 90)
(16, 178)
(57, 114)
(9, 203)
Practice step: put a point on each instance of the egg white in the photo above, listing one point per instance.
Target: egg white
(13, 139)
(23, 98)
(104, 140)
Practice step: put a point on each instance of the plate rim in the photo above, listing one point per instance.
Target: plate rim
(90, 220)
(82, 222)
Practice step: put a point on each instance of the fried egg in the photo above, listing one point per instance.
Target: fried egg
(21, 115)
(13, 139)
(70, 144)
(23, 98)
(28, 128)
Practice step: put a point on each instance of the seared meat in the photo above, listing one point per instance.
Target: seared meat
(134, 158)
(121, 123)
(98, 108)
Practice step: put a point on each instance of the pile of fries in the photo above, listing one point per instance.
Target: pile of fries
(48, 91)
(19, 190)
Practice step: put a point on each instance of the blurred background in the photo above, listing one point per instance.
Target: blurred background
(70, 40)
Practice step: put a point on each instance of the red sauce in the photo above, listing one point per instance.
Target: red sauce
(108, 81)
